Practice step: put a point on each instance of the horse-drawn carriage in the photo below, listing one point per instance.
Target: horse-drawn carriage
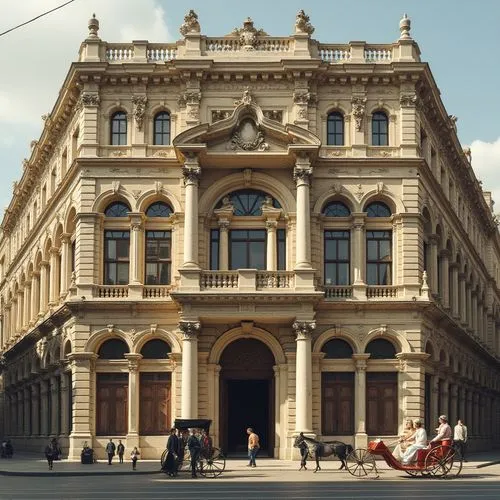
(211, 461)
(441, 459)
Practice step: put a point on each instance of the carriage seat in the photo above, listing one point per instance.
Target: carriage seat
(422, 454)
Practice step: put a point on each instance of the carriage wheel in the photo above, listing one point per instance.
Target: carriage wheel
(213, 465)
(163, 458)
(456, 464)
(439, 461)
(360, 462)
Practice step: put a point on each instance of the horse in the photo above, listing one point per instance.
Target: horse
(321, 450)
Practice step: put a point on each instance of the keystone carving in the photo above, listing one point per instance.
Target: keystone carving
(249, 137)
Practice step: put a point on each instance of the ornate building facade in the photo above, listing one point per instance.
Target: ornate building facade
(264, 231)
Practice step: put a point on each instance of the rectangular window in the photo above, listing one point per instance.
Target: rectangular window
(247, 249)
(158, 257)
(112, 404)
(382, 403)
(214, 249)
(281, 238)
(116, 257)
(154, 407)
(337, 403)
(337, 257)
(379, 257)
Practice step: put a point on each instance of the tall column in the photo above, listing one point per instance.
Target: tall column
(435, 411)
(65, 393)
(462, 302)
(454, 290)
(468, 305)
(223, 245)
(82, 367)
(44, 408)
(35, 409)
(54, 277)
(302, 174)
(35, 297)
(303, 376)
(27, 304)
(44, 298)
(272, 254)
(361, 438)
(433, 272)
(474, 311)
(445, 292)
(19, 313)
(453, 415)
(65, 264)
(191, 171)
(136, 244)
(54, 396)
(27, 412)
(13, 319)
(189, 383)
(133, 398)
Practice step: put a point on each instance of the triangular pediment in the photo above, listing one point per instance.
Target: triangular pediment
(246, 133)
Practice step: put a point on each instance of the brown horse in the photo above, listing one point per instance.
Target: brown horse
(319, 450)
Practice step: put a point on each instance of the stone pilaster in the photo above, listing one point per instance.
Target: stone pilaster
(191, 171)
(360, 438)
(189, 382)
(133, 398)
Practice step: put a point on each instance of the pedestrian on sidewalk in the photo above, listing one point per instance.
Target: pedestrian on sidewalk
(51, 453)
(110, 450)
(120, 449)
(134, 456)
(194, 447)
(170, 465)
(253, 447)
(460, 438)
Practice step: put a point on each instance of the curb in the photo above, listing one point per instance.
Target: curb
(487, 464)
(77, 474)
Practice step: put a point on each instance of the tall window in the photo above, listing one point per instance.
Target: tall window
(214, 249)
(158, 257)
(337, 252)
(162, 129)
(281, 238)
(378, 257)
(248, 202)
(116, 257)
(381, 403)
(337, 403)
(117, 209)
(380, 129)
(247, 249)
(119, 129)
(335, 129)
(112, 404)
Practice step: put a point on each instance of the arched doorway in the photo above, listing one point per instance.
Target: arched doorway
(247, 395)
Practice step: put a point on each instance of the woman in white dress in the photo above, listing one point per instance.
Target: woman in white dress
(405, 440)
(420, 443)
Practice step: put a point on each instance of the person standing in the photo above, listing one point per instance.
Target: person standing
(194, 447)
(134, 456)
(51, 454)
(110, 450)
(304, 452)
(443, 431)
(120, 449)
(253, 446)
(460, 437)
(170, 465)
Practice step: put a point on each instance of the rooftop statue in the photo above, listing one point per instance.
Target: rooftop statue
(190, 24)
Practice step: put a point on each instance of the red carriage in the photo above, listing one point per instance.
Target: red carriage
(441, 459)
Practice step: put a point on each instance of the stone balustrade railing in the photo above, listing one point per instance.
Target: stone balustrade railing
(381, 292)
(210, 47)
(111, 291)
(275, 279)
(336, 292)
(210, 280)
(156, 291)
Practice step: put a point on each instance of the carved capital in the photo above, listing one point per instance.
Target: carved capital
(133, 361)
(191, 174)
(87, 100)
(189, 329)
(303, 329)
(271, 225)
(302, 174)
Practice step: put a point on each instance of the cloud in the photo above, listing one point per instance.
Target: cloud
(486, 164)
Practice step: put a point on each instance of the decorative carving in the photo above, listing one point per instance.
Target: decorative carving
(302, 24)
(190, 24)
(218, 115)
(110, 328)
(118, 152)
(249, 137)
(158, 187)
(301, 97)
(303, 329)
(404, 28)
(408, 100)
(191, 174)
(274, 114)
(136, 225)
(93, 27)
(247, 177)
(302, 174)
(136, 193)
(246, 98)
(87, 99)
(139, 102)
(115, 186)
(380, 187)
(133, 364)
(248, 34)
(358, 111)
(360, 193)
(189, 329)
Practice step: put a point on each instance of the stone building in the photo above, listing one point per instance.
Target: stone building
(264, 231)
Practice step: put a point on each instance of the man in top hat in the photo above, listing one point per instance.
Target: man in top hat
(444, 429)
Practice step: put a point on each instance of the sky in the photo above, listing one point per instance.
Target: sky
(460, 40)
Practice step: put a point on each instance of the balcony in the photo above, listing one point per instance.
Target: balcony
(247, 280)
(132, 292)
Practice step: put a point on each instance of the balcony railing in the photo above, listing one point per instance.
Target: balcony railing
(219, 280)
(381, 292)
(336, 292)
(275, 279)
(156, 291)
(111, 291)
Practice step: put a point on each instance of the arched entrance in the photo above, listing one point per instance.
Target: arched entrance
(247, 395)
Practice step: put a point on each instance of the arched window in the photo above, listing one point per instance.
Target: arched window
(162, 129)
(378, 209)
(380, 129)
(155, 349)
(119, 129)
(336, 209)
(117, 209)
(248, 202)
(335, 129)
(159, 209)
(113, 349)
(381, 349)
(337, 349)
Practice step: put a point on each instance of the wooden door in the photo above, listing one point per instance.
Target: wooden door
(112, 404)
(337, 403)
(155, 404)
(382, 403)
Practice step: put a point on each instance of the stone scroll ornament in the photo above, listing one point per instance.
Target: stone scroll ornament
(190, 24)
(248, 137)
(248, 34)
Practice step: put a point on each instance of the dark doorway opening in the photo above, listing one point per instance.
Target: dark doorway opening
(248, 406)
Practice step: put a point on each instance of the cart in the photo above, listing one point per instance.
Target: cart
(440, 460)
(212, 461)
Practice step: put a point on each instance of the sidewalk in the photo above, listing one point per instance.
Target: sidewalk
(33, 465)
